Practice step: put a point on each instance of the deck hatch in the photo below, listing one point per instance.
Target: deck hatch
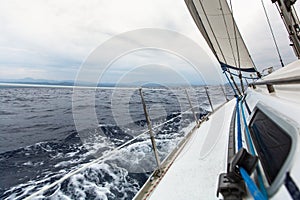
(272, 144)
(275, 138)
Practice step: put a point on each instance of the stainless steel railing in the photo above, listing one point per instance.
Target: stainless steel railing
(282, 81)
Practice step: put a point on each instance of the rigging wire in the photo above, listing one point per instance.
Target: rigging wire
(235, 94)
(273, 36)
(231, 45)
(231, 77)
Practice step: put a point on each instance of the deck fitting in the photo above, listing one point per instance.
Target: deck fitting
(270, 88)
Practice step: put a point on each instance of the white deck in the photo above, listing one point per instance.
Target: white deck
(195, 172)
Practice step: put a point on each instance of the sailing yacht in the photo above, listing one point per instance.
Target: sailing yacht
(249, 147)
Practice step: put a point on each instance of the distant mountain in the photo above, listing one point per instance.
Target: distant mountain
(29, 80)
(155, 85)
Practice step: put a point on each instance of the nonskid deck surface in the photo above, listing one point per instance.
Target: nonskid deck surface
(194, 174)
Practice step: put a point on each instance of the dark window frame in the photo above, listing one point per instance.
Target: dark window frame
(267, 141)
(290, 128)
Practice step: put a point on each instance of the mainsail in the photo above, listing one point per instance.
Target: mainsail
(216, 23)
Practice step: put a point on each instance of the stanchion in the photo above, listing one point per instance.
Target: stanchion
(192, 108)
(150, 131)
(224, 93)
(212, 108)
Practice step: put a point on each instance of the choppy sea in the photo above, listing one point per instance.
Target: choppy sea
(40, 141)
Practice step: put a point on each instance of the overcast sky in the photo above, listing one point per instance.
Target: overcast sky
(50, 39)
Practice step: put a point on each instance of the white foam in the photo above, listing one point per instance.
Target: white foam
(134, 158)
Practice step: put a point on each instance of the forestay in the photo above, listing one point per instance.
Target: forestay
(216, 23)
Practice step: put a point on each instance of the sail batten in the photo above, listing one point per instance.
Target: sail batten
(215, 21)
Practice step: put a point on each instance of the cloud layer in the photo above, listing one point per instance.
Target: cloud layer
(51, 39)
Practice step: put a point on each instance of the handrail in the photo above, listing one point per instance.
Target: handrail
(281, 81)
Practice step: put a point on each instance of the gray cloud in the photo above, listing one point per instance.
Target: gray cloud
(50, 39)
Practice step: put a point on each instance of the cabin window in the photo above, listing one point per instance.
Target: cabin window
(272, 144)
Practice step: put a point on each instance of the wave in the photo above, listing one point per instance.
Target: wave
(118, 177)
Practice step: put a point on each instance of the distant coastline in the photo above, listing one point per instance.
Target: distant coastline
(30, 82)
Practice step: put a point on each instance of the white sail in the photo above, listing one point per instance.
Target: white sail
(216, 23)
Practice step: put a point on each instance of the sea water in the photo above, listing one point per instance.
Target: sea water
(40, 142)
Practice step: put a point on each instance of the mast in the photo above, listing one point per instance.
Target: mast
(291, 21)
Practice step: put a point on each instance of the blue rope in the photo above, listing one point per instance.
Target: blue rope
(230, 83)
(260, 180)
(257, 195)
(261, 183)
(247, 130)
(239, 129)
(255, 192)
